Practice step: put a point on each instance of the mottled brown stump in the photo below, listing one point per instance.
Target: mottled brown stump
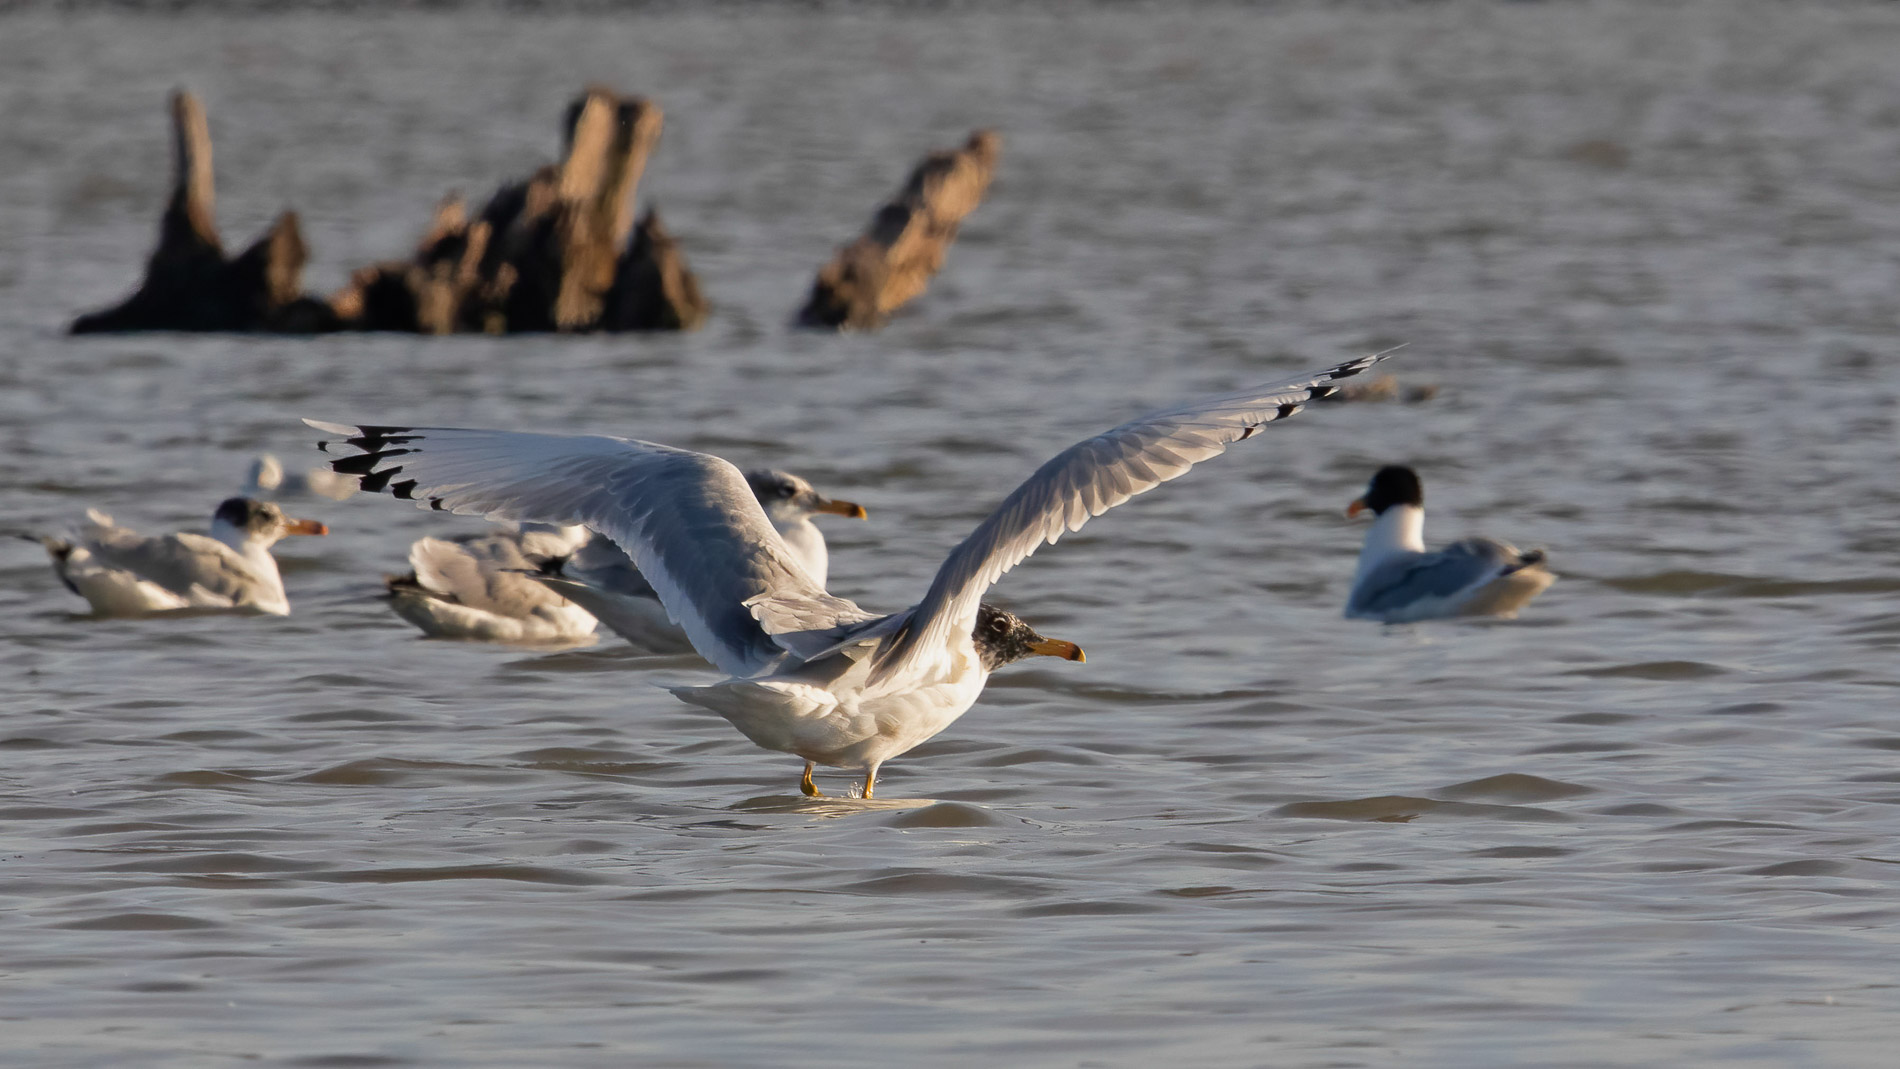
(438, 291)
(562, 231)
(653, 288)
(904, 246)
(189, 285)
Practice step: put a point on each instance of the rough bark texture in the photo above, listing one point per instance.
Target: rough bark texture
(437, 291)
(562, 231)
(653, 289)
(905, 244)
(189, 284)
(548, 253)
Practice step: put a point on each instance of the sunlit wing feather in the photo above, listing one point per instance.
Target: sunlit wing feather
(688, 520)
(1086, 480)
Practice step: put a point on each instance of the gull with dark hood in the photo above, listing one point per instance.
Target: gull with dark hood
(1398, 581)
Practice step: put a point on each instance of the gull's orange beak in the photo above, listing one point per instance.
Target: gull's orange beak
(1055, 647)
(842, 508)
(1358, 505)
(305, 527)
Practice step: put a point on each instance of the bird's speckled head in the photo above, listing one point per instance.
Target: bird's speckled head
(786, 496)
(1001, 637)
(260, 520)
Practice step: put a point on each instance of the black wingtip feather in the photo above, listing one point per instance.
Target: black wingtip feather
(373, 439)
(376, 481)
(364, 463)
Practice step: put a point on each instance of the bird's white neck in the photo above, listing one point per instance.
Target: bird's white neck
(807, 543)
(246, 544)
(255, 549)
(1399, 529)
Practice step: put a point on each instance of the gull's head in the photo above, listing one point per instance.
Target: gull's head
(241, 520)
(1001, 637)
(789, 499)
(1392, 485)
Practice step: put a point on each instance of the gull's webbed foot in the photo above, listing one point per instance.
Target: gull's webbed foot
(805, 784)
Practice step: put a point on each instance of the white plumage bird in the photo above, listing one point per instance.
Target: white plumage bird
(810, 674)
(123, 573)
(1399, 582)
(266, 480)
(481, 588)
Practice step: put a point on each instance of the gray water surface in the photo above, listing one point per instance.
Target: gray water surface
(1647, 253)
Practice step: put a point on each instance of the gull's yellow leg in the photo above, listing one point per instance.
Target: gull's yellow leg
(806, 785)
(870, 777)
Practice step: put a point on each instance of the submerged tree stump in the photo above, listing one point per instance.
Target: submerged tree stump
(653, 289)
(189, 283)
(895, 258)
(439, 290)
(549, 253)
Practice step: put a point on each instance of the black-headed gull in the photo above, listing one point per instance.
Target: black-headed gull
(1398, 581)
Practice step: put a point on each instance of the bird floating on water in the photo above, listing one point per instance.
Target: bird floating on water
(268, 481)
(123, 573)
(481, 587)
(808, 673)
(600, 577)
(1398, 581)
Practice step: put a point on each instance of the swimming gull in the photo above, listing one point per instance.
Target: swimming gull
(268, 481)
(810, 674)
(481, 587)
(1399, 582)
(123, 573)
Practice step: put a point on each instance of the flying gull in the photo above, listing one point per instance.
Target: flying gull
(809, 674)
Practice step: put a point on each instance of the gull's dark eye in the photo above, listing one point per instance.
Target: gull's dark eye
(786, 490)
(1000, 625)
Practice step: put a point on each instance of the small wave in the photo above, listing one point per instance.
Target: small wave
(1402, 809)
(1690, 583)
(1657, 670)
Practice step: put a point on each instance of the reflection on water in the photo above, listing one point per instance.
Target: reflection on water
(1644, 251)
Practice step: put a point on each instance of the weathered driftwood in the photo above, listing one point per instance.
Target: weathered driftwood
(546, 253)
(1383, 388)
(653, 289)
(189, 283)
(437, 291)
(904, 246)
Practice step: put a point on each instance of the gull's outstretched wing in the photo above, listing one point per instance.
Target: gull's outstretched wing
(1086, 480)
(690, 522)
